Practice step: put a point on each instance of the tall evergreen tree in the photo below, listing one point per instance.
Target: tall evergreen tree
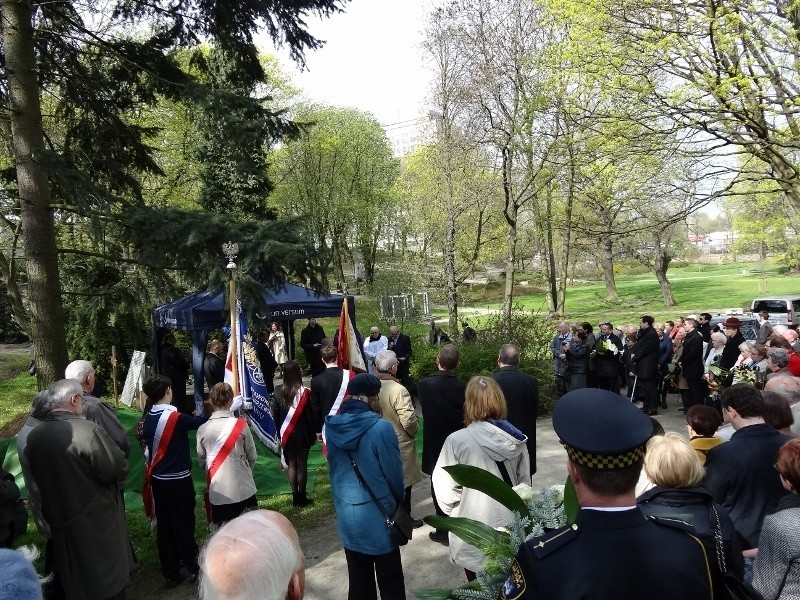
(82, 160)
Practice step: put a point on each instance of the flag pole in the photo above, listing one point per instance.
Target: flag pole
(231, 250)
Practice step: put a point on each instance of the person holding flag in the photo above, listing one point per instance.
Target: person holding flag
(168, 493)
(348, 343)
(297, 433)
(225, 449)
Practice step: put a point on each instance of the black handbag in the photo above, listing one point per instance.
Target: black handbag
(732, 587)
(401, 525)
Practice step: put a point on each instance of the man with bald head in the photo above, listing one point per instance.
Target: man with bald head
(256, 556)
(789, 388)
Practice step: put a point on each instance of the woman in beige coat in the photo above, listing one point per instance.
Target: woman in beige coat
(397, 408)
(232, 490)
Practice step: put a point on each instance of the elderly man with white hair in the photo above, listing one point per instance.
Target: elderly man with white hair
(94, 409)
(256, 556)
(396, 407)
(77, 467)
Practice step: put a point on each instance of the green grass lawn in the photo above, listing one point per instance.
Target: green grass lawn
(699, 288)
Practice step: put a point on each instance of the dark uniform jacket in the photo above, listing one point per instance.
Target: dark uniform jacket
(441, 397)
(645, 354)
(522, 400)
(324, 389)
(740, 476)
(692, 366)
(611, 555)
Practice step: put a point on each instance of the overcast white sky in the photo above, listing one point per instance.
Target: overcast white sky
(371, 59)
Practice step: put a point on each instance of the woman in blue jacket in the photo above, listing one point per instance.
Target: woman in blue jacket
(358, 431)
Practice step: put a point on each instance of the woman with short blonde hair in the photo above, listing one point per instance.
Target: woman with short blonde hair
(491, 443)
(672, 463)
(484, 400)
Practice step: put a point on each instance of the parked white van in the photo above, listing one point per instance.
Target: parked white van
(782, 310)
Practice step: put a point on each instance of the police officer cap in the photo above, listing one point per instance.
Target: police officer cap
(364, 384)
(601, 429)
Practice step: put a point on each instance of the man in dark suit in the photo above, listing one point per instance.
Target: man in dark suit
(607, 362)
(327, 386)
(213, 367)
(176, 367)
(522, 396)
(645, 364)
(311, 342)
(441, 397)
(739, 473)
(692, 366)
(400, 344)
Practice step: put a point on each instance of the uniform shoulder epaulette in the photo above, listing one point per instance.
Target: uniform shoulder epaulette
(547, 543)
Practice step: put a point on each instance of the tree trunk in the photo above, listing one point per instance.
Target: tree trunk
(666, 286)
(608, 271)
(45, 311)
(451, 284)
(552, 275)
(511, 211)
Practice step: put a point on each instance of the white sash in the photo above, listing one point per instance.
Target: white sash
(292, 409)
(162, 423)
(338, 402)
(220, 441)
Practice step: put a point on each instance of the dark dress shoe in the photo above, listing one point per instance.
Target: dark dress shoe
(663, 404)
(418, 523)
(439, 537)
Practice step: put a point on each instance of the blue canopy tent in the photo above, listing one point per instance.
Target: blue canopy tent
(199, 312)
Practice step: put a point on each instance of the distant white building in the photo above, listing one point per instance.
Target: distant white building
(716, 242)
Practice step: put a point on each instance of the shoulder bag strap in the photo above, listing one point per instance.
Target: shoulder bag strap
(718, 543)
(366, 486)
(504, 472)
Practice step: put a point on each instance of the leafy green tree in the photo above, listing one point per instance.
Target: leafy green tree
(339, 175)
(96, 77)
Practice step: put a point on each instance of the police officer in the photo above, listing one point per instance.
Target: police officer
(611, 551)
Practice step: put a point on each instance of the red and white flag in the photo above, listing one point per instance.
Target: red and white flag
(349, 353)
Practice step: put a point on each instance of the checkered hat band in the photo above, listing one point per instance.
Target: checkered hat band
(604, 461)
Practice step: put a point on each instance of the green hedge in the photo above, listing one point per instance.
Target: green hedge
(530, 332)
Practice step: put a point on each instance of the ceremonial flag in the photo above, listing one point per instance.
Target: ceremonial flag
(349, 356)
(251, 384)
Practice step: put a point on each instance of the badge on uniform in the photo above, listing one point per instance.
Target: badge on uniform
(514, 587)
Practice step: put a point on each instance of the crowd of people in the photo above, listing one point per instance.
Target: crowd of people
(676, 516)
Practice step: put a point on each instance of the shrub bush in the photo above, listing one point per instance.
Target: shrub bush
(530, 332)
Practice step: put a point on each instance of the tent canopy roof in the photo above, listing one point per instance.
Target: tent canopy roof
(206, 310)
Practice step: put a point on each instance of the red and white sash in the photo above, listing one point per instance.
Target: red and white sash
(296, 411)
(163, 435)
(347, 375)
(221, 450)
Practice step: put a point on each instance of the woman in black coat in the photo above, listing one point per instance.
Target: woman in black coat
(577, 351)
(673, 465)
